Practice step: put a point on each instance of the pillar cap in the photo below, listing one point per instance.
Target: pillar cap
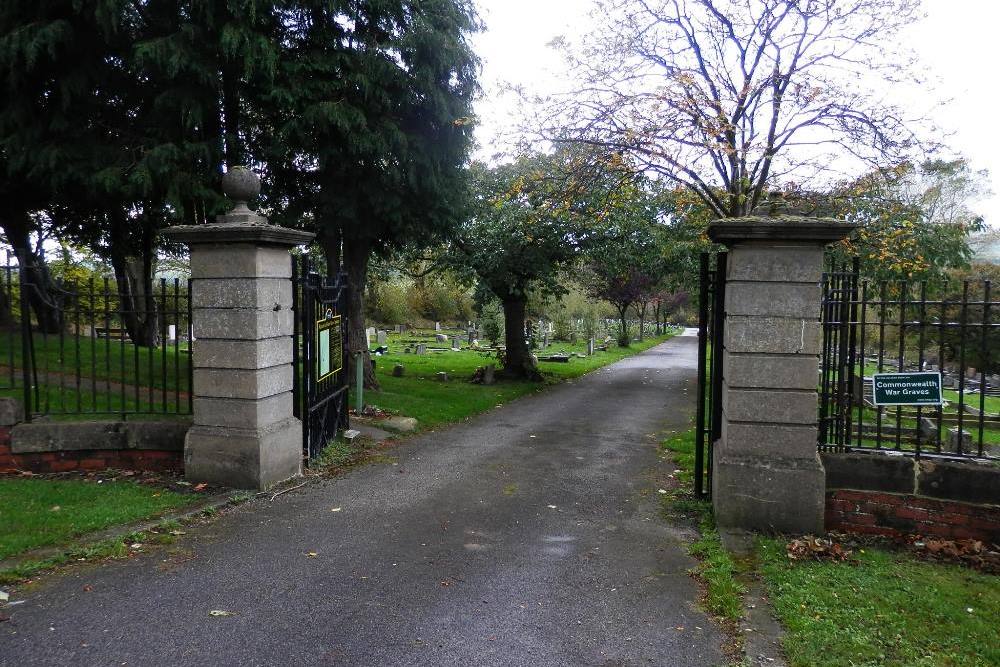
(779, 228)
(240, 225)
(238, 232)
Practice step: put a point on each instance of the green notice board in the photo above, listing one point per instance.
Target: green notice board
(907, 388)
(329, 347)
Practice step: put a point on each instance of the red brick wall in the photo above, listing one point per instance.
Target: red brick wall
(895, 514)
(91, 459)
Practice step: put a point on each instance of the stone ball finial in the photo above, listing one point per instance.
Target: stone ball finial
(241, 185)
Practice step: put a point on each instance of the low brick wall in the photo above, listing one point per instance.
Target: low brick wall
(68, 446)
(895, 495)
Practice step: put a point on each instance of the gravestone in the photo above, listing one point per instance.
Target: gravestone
(383, 337)
(953, 440)
(489, 373)
(590, 347)
(441, 338)
(437, 326)
(398, 370)
(456, 344)
(442, 376)
(421, 348)
(171, 332)
(928, 429)
(369, 335)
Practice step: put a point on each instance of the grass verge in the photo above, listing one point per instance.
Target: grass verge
(433, 403)
(42, 512)
(887, 608)
(718, 571)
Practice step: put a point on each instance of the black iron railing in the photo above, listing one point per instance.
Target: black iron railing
(872, 327)
(90, 347)
(711, 321)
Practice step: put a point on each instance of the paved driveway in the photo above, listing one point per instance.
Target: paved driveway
(527, 536)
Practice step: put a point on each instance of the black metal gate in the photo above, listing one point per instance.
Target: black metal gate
(711, 324)
(320, 355)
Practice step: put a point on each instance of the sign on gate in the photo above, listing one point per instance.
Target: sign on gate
(329, 347)
(907, 388)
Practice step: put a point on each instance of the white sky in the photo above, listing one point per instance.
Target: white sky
(957, 43)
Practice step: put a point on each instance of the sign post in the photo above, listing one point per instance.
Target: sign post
(907, 388)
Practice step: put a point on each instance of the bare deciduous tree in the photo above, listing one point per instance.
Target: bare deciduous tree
(730, 97)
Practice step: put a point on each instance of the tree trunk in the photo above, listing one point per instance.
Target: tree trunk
(641, 312)
(518, 363)
(657, 310)
(330, 240)
(42, 294)
(623, 337)
(356, 254)
(134, 278)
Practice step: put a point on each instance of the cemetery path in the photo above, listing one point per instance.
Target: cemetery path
(527, 536)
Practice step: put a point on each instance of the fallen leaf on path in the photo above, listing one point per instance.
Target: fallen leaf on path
(177, 532)
(88, 588)
(200, 487)
(221, 612)
(661, 490)
(336, 509)
(552, 507)
(312, 554)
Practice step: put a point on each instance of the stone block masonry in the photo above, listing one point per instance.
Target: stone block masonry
(767, 473)
(244, 433)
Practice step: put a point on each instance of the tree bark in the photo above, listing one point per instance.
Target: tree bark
(134, 278)
(657, 311)
(330, 240)
(355, 256)
(518, 363)
(641, 312)
(42, 294)
(623, 337)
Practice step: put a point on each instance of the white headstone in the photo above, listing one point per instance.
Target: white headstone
(171, 332)
(382, 337)
(369, 334)
(437, 326)
(590, 347)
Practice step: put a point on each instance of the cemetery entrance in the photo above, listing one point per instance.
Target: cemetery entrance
(320, 355)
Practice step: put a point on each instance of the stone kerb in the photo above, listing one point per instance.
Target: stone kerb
(244, 434)
(767, 473)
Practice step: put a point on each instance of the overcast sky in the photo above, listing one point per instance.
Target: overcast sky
(957, 42)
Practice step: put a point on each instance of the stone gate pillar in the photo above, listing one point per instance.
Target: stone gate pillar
(767, 473)
(244, 434)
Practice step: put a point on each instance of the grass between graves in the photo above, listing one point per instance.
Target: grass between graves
(43, 512)
(433, 403)
(885, 608)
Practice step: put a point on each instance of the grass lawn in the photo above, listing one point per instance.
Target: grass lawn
(41, 512)
(100, 358)
(889, 609)
(433, 403)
